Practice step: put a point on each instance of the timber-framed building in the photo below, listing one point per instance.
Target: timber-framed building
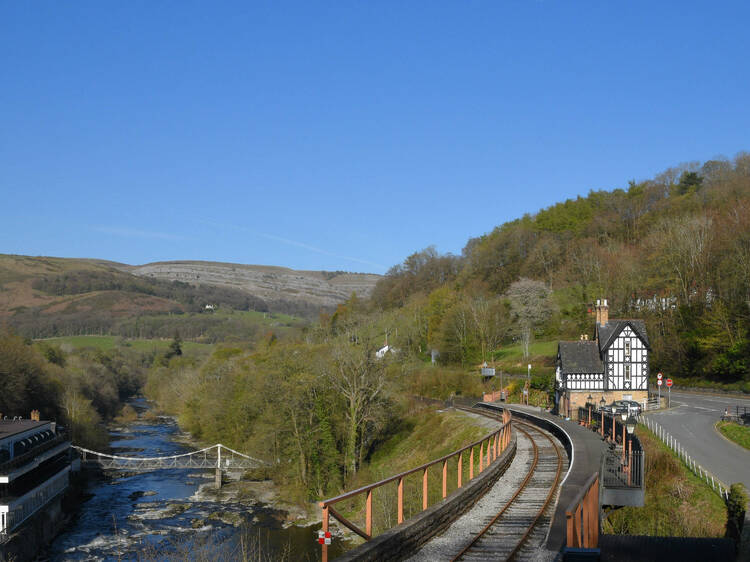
(613, 366)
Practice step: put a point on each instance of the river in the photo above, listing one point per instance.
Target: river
(166, 514)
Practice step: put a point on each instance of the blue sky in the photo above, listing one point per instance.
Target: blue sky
(344, 135)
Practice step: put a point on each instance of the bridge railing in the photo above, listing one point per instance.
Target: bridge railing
(582, 516)
(490, 447)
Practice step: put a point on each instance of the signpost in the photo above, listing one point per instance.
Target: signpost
(658, 382)
(669, 392)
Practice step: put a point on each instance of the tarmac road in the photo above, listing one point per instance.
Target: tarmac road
(691, 420)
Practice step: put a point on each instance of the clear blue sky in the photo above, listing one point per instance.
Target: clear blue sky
(344, 135)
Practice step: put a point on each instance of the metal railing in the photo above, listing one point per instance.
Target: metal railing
(20, 509)
(716, 485)
(582, 516)
(490, 446)
(623, 471)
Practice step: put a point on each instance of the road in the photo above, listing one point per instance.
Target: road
(691, 421)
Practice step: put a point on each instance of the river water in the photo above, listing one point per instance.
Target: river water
(162, 515)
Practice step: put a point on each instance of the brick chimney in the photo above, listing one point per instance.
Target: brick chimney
(602, 312)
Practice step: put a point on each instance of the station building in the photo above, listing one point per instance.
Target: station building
(613, 365)
(35, 464)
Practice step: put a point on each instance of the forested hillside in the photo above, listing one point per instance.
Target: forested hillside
(674, 250)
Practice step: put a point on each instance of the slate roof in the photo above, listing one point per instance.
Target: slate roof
(579, 357)
(14, 427)
(612, 328)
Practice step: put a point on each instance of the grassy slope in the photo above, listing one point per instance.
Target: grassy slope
(677, 502)
(740, 434)
(424, 436)
(542, 356)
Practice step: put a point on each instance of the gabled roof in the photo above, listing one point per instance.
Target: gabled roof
(609, 332)
(579, 357)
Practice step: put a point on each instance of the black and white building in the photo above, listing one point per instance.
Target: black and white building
(613, 366)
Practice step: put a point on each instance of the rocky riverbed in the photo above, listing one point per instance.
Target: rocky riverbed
(178, 513)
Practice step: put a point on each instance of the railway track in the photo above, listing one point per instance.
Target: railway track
(511, 521)
(517, 531)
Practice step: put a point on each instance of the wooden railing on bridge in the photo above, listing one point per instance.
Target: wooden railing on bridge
(582, 516)
(490, 448)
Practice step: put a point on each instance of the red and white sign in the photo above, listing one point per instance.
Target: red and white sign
(658, 376)
(659, 382)
(669, 382)
(324, 537)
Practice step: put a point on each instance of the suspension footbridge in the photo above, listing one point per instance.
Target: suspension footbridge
(218, 457)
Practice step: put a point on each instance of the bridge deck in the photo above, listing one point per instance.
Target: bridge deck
(587, 450)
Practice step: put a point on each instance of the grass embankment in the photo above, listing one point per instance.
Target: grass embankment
(677, 502)
(740, 434)
(424, 436)
(542, 356)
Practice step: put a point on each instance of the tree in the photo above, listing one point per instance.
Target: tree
(530, 306)
(359, 379)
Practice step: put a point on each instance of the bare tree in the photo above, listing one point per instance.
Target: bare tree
(359, 378)
(531, 306)
(490, 320)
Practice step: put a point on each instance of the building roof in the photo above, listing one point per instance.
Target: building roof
(579, 357)
(610, 331)
(9, 428)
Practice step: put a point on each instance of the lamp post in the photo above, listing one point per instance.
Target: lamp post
(528, 386)
(623, 417)
(630, 424)
(589, 398)
(602, 402)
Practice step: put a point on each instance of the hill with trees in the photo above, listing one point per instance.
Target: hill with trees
(47, 297)
(674, 250)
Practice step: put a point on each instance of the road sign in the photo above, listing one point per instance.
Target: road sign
(658, 376)
(659, 382)
(669, 382)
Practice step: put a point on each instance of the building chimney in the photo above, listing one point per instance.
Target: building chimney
(604, 313)
(598, 311)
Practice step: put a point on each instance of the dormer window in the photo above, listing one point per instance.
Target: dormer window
(627, 350)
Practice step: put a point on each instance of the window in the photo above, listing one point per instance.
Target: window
(627, 349)
(627, 373)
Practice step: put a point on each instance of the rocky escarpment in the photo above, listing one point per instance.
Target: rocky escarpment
(270, 283)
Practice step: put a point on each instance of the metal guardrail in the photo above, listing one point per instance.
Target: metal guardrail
(496, 442)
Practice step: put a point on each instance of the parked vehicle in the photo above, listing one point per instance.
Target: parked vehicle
(629, 407)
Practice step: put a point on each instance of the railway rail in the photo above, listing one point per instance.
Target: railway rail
(519, 528)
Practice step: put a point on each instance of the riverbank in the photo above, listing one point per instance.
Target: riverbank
(157, 515)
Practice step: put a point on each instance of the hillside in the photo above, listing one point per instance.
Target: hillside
(47, 296)
(271, 283)
(673, 250)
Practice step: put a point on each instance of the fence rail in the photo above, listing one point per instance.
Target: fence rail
(490, 446)
(716, 485)
(582, 516)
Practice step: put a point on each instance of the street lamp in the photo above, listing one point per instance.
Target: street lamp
(623, 417)
(630, 424)
(602, 402)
